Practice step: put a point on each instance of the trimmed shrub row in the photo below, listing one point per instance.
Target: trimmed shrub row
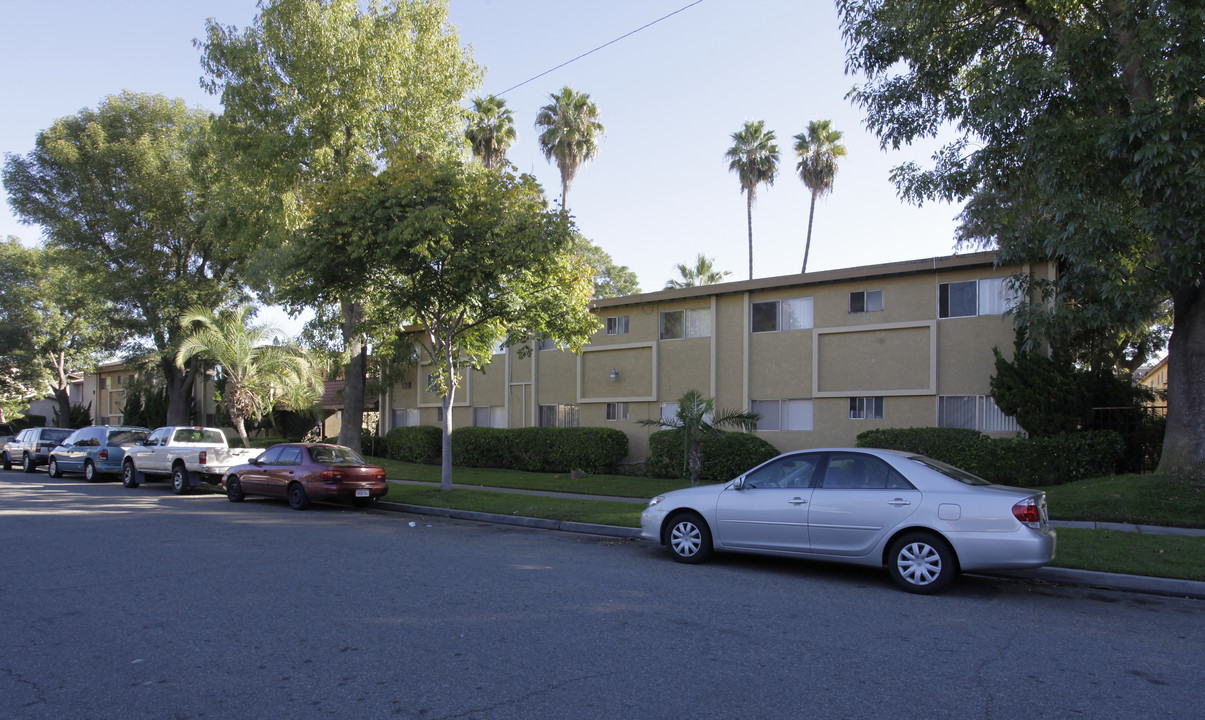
(725, 455)
(536, 449)
(1009, 461)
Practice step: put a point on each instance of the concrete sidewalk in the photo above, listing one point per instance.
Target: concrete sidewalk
(1060, 576)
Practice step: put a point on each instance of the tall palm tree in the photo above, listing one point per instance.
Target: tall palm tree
(818, 151)
(491, 129)
(754, 158)
(570, 133)
(697, 417)
(703, 273)
(256, 370)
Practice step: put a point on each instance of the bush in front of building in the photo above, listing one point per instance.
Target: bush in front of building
(1025, 462)
(416, 444)
(539, 449)
(725, 454)
(482, 447)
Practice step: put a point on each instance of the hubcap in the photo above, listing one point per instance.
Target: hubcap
(919, 563)
(685, 539)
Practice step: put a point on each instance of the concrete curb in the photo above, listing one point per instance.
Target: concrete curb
(1054, 575)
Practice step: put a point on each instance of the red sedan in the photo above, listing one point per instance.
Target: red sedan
(301, 472)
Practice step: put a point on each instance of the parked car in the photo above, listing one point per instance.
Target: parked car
(95, 451)
(301, 472)
(922, 519)
(184, 456)
(7, 433)
(31, 447)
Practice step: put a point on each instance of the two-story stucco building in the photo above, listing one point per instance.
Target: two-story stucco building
(821, 357)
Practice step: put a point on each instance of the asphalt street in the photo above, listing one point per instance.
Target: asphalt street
(119, 603)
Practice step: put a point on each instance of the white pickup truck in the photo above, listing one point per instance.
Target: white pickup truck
(185, 456)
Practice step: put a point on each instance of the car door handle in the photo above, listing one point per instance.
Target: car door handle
(798, 501)
(899, 502)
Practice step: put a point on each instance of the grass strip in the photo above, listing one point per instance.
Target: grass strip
(1167, 556)
(614, 485)
(1135, 499)
(600, 512)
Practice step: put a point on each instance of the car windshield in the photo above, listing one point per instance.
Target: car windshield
(949, 471)
(125, 438)
(55, 435)
(335, 455)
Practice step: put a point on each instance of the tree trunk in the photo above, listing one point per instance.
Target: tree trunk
(240, 426)
(1184, 438)
(64, 402)
(807, 248)
(695, 462)
(445, 473)
(749, 216)
(354, 374)
(179, 390)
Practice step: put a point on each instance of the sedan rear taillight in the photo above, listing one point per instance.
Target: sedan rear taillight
(1027, 512)
(331, 475)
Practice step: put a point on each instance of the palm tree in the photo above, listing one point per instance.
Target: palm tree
(491, 129)
(818, 151)
(754, 158)
(696, 417)
(570, 133)
(256, 370)
(703, 273)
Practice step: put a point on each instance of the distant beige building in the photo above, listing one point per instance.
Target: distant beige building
(821, 357)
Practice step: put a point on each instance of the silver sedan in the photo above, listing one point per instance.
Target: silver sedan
(922, 519)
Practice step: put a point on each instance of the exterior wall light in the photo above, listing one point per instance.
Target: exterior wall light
(614, 375)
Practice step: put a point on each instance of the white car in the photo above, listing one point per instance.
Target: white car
(922, 519)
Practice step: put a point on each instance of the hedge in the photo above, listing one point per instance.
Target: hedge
(417, 444)
(1009, 461)
(540, 449)
(725, 454)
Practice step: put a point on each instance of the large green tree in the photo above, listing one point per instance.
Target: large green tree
(318, 90)
(472, 256)
(754, 158)
(569, 133)
(122, 198)
(610, 278)
(51, 325)
(258, 371)
(1079, 139)
(491, 130)
(818, 150)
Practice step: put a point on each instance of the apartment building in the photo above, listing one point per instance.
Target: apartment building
(821, 356)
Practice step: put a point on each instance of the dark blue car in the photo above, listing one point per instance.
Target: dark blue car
(95, 451)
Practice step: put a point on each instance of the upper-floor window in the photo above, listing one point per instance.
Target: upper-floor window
(686, 324)
(969, 298)
(782, 315)
(864, 301)
(617, 325)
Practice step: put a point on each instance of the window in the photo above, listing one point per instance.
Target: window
(405, 417)
(617, 325)
(686, 323)
(864, 301)
(486, 416)
(272, 455)
(866, 408)
(669, 411)
(290, 456)
(617, 411)
(548, 344)
(790, 471)
(974, 412)
(855, 471)
(989, 296)
(558, 415)
(781, 315)
(783, 414)
(439, 414)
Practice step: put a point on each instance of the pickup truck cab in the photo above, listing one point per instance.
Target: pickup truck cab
(185, 456)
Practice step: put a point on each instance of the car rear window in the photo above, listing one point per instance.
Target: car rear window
(55, 435)
(125, 438)
(208, 436)
(949, 471)
(336, 455)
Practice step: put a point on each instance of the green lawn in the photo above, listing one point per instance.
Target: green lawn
(1136, 499)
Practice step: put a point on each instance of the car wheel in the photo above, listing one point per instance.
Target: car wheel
(129, 476)
(180, 484)
(921, 563)
(298, 500)
(8, 464)
(90, 471)
(234, 489)
(688, 538)
(27, 463)
(53, 469)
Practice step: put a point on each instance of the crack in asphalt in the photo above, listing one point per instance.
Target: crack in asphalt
(37, 691)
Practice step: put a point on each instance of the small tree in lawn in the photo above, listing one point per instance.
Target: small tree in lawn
(696, 418)
(472, 255)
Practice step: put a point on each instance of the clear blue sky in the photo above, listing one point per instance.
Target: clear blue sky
(669, 96)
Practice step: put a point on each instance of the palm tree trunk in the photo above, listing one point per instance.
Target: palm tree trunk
(240, 425)
(749, 216)
(564, 194)
(807, 248)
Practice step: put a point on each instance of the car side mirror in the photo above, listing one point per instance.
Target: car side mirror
(739, 483)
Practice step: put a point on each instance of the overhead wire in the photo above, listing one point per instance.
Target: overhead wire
(600, 47)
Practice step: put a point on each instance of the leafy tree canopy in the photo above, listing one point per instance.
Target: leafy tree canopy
(1079, 140)
(610, 279)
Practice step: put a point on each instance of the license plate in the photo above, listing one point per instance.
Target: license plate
(361, 493)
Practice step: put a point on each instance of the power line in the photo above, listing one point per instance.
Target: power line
(600, 47)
